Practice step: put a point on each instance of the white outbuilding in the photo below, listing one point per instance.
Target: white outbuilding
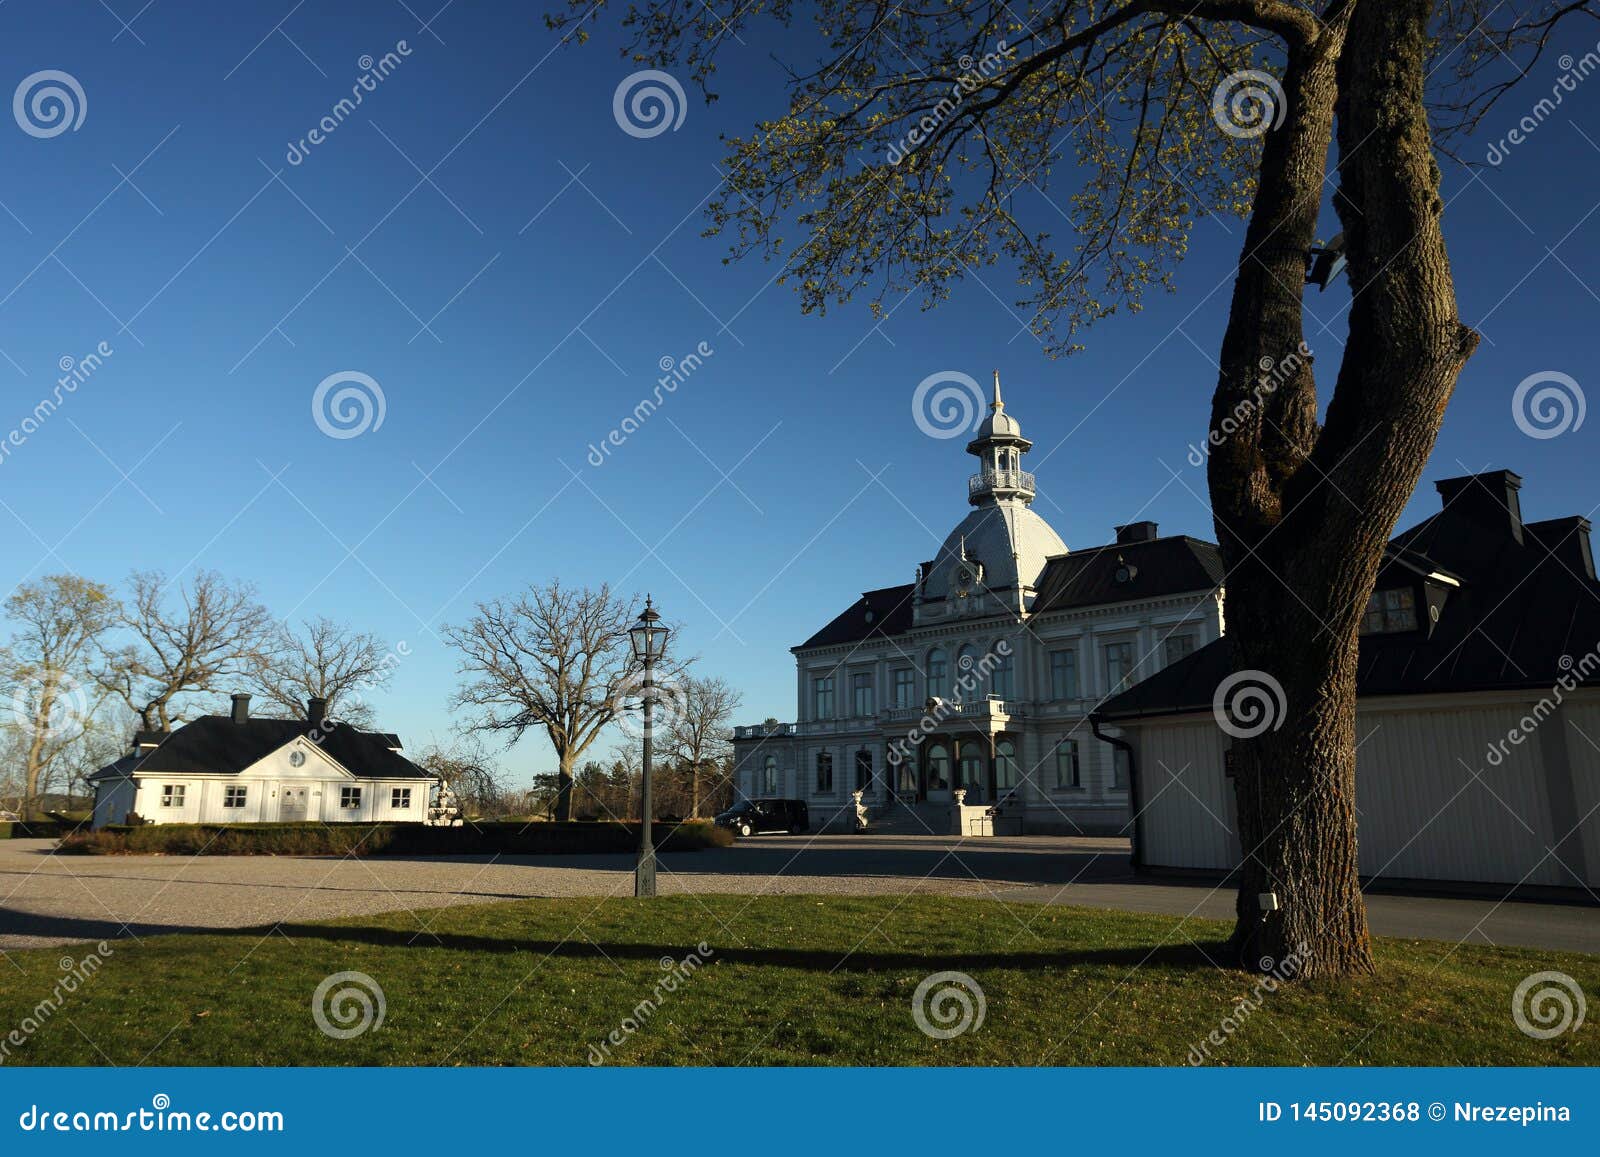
(238, 769)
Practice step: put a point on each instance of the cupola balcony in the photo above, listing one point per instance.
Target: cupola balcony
(989, 482)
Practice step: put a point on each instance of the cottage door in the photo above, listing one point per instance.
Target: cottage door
(292, 803)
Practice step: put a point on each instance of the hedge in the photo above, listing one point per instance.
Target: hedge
(315, 839)
(33, 829)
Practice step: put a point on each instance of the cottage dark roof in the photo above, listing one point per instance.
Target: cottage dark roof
(876, 614)
(1154, 568)
(1524, 615)
(216, 745)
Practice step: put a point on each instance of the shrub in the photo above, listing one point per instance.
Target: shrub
(315, 839)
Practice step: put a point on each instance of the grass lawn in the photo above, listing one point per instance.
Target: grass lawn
(788, 980)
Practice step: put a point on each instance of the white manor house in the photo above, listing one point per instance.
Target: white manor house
(980, 676)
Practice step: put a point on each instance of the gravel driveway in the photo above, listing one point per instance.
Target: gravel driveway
(47, 899)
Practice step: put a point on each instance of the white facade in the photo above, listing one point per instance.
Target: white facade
(297, 782)
(985, 680)
(1443, 790)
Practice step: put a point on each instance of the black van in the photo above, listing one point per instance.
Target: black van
(750, 817)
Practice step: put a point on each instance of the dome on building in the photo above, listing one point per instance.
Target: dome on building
(1008, 540)
(1001, 545)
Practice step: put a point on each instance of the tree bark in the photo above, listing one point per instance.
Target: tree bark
(1303, 515)
(564, 780)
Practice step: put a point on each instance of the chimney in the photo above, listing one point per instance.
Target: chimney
(1567, 539)
(241, 707)
(1137, 532)
(1488, 499)
(316, 710)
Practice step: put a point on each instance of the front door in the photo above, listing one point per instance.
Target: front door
(292, 803)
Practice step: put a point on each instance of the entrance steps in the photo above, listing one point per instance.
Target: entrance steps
(910, 819)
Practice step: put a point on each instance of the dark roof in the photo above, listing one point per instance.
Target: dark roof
(216, 745)
(876, 614)
(1525, 613)
(1160, 566)
(117, 770)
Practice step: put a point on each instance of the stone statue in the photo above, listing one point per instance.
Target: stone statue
(861, 810)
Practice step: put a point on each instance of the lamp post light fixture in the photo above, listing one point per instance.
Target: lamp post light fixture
(649, 639)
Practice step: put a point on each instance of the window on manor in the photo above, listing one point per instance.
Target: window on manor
(1177, 647)
(938, 674)
(1002, 682)
(349, 798)
(861, 695)
(1119, 770)
(172, 794)
(863, 769)
(1063, 674)
(822, 697)
(824, 772)
(938, 762)
(235, 795)
(1119, 666)
(1389, 612)
(400, 798)
(905, 687)
(1068, 772)
(1005, 765)
(769, 776)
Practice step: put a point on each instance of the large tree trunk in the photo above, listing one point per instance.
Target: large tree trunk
(1303, 514)
(563, 787)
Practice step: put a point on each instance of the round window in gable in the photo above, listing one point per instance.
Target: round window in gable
(1126, 571)
(871, 615)
(297, 758)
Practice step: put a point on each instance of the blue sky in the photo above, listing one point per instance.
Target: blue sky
(514, 306)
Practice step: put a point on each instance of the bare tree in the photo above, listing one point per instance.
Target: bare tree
(913, 155)
(59, 623)
(478, 785)
(325, 660)
(216, 632)
(550, 657)
(698, 737)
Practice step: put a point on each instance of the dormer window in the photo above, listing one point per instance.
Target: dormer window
(1390, 612)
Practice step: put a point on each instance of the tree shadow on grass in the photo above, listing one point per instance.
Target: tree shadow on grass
(1173, 956)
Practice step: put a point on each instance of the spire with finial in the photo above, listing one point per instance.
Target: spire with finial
(998, 404)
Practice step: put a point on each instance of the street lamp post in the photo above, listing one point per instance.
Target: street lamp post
(649, 639)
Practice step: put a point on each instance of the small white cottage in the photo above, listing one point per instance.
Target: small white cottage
(235, 769)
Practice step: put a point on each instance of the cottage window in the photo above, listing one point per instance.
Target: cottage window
(349, 798)
(172, 794)
(234, 795)
(400, 798)
(1389, 612)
